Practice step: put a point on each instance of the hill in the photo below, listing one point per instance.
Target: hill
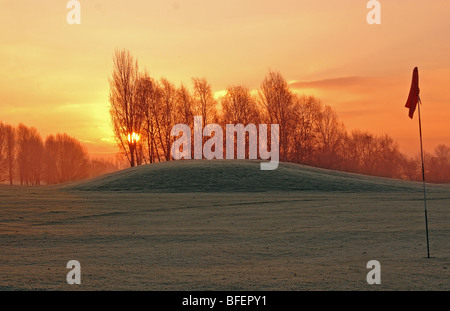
(238, 176)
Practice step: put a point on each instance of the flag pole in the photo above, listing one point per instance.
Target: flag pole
(423, 179)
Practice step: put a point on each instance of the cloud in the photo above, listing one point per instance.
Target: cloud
(332, 83)
(351, 84)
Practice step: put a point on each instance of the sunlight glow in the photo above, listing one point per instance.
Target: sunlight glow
(133, 138)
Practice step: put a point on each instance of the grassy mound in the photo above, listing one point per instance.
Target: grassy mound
(237, 176)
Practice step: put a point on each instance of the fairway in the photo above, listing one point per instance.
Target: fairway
(223, 233)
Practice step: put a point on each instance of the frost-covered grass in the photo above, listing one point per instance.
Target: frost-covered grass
(224, 225)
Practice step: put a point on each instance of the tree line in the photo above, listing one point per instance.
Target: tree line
(144, 110)
(27, 159)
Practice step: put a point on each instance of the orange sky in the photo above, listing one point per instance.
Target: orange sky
(54, 76)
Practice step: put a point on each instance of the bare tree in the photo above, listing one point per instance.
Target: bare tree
(305, 119)
(126, 114)
(439, 165)
(30, 155)
(238, 106)
(166, 116)
(443, 152)
(373, 155)
(331, 133)
(3, 162)
(204, 100)
(277, 100)
(10, 151)
(100, 166)
(67, 159)
(149, 96)
(409, 167)
(159, 102)
(184, 112)
(185, 106)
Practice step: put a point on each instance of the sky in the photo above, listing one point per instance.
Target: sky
(54, 76)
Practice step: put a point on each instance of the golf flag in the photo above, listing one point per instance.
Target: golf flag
(411, 104)
(413, 97)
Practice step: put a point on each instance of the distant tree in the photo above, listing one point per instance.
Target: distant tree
(30, 155)
(238, 106)
(10, 151)
(304, 133)
(126, 113)
(330, 138)
(439, 165)
(373, 155)
(185, 106)
(3, 161)
(360, 151)
(165, 117)
(387, 157)
(67, 159)
(149, 97)
(204, 100)
(409, 168)
(443, 153)
(276, 99)
(185, 110)
(99, 166)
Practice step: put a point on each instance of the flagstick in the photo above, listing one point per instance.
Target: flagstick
(423, 179)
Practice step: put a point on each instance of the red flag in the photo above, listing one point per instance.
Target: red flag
(413, 97)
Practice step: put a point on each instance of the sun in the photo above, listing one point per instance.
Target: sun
(133, 138)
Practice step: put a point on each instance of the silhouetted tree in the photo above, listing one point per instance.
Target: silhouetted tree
(3, 161)
(439, 165)
(126, 113)
(330, 138)
(185, 106)
(99, 166)
(304, 131)
(149, 97)
(30, 155)
(10, 150)
(205, 104)
(165, 116)
(277, 100)
(372, 155)
(238, 106)
(67, 159)
(409, 168)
